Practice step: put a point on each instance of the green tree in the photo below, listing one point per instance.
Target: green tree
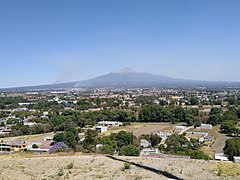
(107, 149)
(232, 148)
(154, 140)
(194, 101)
(124, 138)
(228, 127)
(129, 150)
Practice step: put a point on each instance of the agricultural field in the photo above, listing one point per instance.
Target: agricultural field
(142, 128)
(27, 137)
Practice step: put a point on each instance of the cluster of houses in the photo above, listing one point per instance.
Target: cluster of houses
(40, 145)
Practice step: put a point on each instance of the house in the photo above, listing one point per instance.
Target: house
(205, 138)
(147, 151)
(30, 124)
(179, 127)
(206, 126)
(101, 129)
(144, 143)
(48, 138)
(236, 159)
(18, 145)
(220, 157)
(5, 147)
(109, 123)
(163, 135)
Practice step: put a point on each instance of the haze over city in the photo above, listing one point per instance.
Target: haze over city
(45, 42)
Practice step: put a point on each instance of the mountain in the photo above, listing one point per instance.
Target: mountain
(128, 78)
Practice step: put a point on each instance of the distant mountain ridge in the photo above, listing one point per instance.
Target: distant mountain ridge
(128, 78)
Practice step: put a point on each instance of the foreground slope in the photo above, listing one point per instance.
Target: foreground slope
(103, 167)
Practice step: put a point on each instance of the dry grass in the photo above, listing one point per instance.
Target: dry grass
(27, 137)
(227, 169)
(101, 167)
(142, 128)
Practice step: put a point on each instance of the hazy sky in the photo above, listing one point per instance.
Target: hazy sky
(47, 41)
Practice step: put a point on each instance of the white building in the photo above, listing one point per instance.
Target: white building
(109, 123)
(101, 129)
(220, 157)
(164, 135)
(180, 127)
(206, 126)
(144, 143)
(147, 151)
(236, 159)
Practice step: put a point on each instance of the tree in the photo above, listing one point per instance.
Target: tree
(194, 101)
(232, 148)
(214, 116)
(197, 123)
(107, 149)
(154, 139)
(228, 127)
(124, 138)
(90, 141)
(176, 143)
(129, 150)
(70, 137)
(196, 154)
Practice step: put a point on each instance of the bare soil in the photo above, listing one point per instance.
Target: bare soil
(142, 128)
(88, 167)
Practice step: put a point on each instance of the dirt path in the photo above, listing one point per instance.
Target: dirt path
(219, 143)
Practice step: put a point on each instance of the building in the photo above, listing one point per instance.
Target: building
(163, 135)
(205, 138)
(5, 148)
(18, 146)
(144, 143)
(180, 128)
(236, 159)
(101, 129)
(109, 123)
(147, 151)
(220, 157)
(206, 126)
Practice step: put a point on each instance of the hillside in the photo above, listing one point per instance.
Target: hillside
(102, 167)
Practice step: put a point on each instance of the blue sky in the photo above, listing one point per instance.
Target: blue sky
(43, 42)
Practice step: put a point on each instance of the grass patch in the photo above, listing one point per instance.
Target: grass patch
(70, 166)
(60, 172)
(227, 169)
(126, 166)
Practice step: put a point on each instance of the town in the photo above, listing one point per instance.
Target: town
(175, 123)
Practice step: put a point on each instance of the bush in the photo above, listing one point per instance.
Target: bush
(70, 165)
(195, 154)
(129, 150)
(127, 165)
(34, 146)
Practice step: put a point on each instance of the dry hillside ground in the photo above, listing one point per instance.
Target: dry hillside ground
(110, 168)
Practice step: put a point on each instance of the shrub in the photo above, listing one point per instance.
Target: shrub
(60, 172)
(70, 165)
(196, 154)
(127, 165)
(34, 146)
